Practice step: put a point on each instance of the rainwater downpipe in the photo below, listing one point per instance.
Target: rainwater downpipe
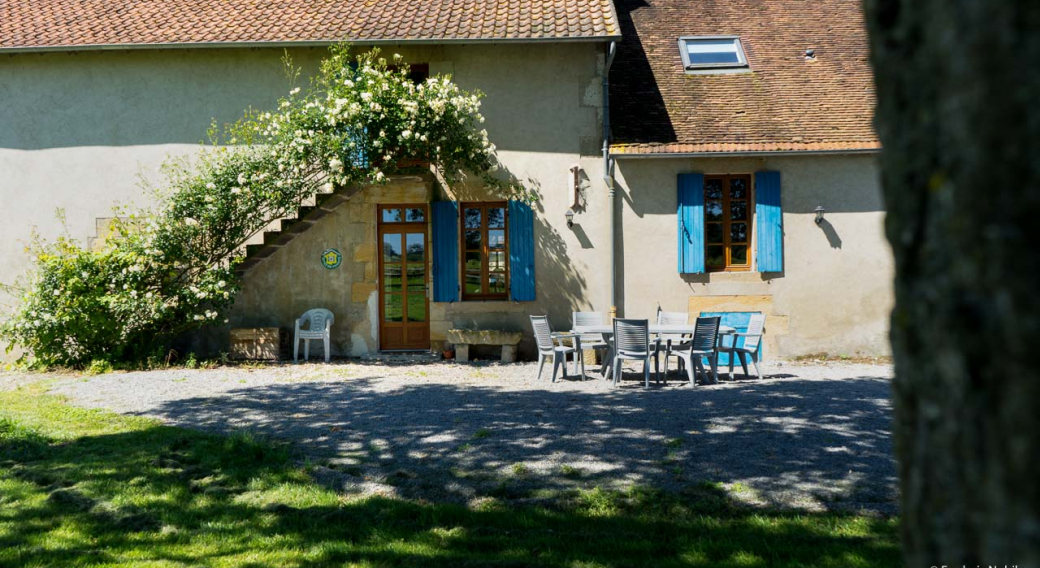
(608, 175)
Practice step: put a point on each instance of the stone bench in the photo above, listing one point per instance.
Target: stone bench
(463, 338)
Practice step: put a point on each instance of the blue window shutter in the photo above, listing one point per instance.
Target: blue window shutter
(770, 219)
(691, 223)
(521, 251)
(445, 251)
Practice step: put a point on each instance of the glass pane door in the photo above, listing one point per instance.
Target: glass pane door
(404, 307)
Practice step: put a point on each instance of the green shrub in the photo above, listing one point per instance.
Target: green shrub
(99, 367)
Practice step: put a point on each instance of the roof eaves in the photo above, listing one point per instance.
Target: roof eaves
(305, 43)
(621, 154)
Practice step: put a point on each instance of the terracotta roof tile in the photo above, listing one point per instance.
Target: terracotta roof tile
(786, 102)
(42, 24)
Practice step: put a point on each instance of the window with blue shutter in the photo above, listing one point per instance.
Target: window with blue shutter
(445, 251)
(770, 218)
(691, 223)
(521, 252)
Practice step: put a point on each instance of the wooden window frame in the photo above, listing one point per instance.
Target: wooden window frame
(727, 223)
(484, 250)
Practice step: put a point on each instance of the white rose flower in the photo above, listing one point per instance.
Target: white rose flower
(406, 134)
(294, 91)
(236, 190)
(211, 185)
(336, 165)
(366, 96)
(242, 178)
(191, 222)
(327, 187)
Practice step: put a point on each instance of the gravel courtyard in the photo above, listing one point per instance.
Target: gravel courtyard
(815, 436)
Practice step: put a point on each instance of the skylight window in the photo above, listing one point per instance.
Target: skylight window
(712, 53)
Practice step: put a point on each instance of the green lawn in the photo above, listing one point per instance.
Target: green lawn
(92, 488)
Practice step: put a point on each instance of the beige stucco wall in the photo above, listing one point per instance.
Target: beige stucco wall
(79, 130)
(835, 293)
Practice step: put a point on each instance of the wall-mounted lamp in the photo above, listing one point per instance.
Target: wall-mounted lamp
(819, 213)
(570, 217)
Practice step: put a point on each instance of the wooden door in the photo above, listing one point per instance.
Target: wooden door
(404, 309)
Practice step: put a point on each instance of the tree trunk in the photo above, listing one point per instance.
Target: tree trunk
(958, 90)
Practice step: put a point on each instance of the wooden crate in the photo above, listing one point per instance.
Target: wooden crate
(258, 343)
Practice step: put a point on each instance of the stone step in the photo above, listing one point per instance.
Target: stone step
(289, 228)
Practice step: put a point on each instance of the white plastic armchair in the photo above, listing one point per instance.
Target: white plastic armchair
(548, 348)
(752, 340)
(319, 323)
(632, 341)
(665, 341)
(594, 341)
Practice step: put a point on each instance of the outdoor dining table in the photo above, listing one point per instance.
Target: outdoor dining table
(655, 329)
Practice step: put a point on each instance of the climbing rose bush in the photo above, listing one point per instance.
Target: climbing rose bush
(171, 268)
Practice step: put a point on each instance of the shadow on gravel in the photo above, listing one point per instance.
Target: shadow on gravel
(793, 442)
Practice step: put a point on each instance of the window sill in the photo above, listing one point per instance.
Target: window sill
(740, 277)
(730, 270)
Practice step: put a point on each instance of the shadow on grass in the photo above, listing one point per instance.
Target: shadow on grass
(141, 493)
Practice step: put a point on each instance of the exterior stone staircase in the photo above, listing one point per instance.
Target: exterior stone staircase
(268, 241)
(279, 233)
(283, 231)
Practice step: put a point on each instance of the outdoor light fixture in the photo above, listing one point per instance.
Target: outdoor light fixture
(574, 181)
(819, 214)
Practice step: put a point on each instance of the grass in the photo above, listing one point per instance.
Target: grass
(90, 488)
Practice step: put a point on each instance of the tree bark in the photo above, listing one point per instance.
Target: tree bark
(958, 86)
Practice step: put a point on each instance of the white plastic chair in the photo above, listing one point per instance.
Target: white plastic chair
(632, 341)
(752, 340)
(665, 341)
(318, 321)
(593, 341)
(704, 344)
(547, 348)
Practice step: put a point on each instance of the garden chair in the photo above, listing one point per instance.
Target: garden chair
(547, 347)
(319, 323)
(665, 341)
(703, 345)
(594, 341)
(752, 340)
(631, 341)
